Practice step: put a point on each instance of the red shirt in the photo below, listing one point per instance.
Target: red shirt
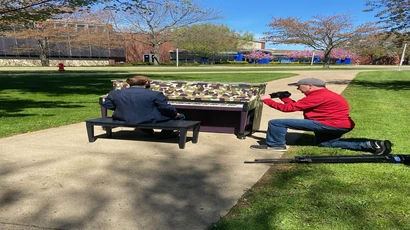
(322, 105)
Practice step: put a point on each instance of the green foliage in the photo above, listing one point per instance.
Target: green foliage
(207, 40)
(339, 196)
(231, 62)
(393, 14)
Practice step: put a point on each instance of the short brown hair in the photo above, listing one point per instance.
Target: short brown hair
(138, 80)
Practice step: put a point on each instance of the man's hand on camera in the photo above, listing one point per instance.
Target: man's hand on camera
(280, 94)
(265, 96)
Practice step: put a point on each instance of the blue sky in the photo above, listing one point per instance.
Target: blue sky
(253, 16)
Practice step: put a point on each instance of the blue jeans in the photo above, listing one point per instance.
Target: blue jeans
(325, 136)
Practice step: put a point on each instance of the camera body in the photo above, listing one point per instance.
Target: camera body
(280, 94)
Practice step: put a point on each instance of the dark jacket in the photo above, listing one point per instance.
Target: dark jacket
(136, 105)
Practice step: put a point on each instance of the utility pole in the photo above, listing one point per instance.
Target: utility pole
(402, 56)
(313, 56)
(177, 57)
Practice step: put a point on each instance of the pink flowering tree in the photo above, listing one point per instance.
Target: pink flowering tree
(336, 53)
(342, 54)
(304, 54)
(257, 55)
(300, 54)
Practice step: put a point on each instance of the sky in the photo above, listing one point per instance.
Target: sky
(253, 16)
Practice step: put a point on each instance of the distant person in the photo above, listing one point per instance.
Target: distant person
(139, 104)
(326, 113)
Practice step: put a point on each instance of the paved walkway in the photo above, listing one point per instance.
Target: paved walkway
(56, 179)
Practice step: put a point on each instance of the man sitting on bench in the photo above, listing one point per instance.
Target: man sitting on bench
(139, 104)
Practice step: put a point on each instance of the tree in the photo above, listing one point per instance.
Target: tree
(23, 11)
(24, 17)
(336, 53)
(258, 55)
(321, 33)
(155, 20)
(393, 14)
(375, 45)
(207, 40)
(302, 54)
(80, 30)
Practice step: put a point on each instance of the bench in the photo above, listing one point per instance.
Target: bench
(181, 125)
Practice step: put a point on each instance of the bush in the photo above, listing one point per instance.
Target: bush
(188, 64)
(221, 62)
(137, 63)
(168, 64)
(231, 62)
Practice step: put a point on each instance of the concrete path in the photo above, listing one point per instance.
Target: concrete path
(56, 179)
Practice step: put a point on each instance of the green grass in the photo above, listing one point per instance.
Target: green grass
(340, 196)
(290, 196)
(189, 69)
(34, 101)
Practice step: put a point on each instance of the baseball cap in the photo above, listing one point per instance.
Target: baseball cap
(309, 81)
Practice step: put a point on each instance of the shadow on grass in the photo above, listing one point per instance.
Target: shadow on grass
(289, 191)
(60, 84)
(340, 82)
(20, 91)
(395, 85)
(11, 106)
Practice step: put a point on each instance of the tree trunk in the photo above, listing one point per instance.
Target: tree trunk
(157, 54)
(326, 59)
(43, 52)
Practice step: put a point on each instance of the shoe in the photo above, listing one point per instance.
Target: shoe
(381, 147)
(266, 147)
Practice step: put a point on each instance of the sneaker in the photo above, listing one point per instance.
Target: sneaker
(381, 147)
(266, 147)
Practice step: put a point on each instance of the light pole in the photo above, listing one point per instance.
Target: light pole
(313, 56)
(177, 57)
(402, 56)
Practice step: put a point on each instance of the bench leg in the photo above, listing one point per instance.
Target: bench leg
(195, 134)
(182, 138)
(90, 131)
(108, 131)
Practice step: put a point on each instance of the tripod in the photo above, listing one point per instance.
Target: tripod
(388, 158)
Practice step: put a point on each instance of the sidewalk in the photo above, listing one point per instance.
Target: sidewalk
(56, 179)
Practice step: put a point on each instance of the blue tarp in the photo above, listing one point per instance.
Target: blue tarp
(344, 61)
(264, 61)
(239, 57)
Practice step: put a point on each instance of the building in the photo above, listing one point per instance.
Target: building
(63, 43)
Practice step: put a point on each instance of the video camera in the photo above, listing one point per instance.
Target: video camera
(280, 94)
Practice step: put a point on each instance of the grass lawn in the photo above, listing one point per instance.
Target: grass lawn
(33, 101)
(289, 196)
(340, 196)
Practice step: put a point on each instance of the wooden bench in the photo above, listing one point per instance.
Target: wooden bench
(181, 125)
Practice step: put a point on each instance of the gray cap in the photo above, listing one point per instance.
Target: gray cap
(309, 81)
